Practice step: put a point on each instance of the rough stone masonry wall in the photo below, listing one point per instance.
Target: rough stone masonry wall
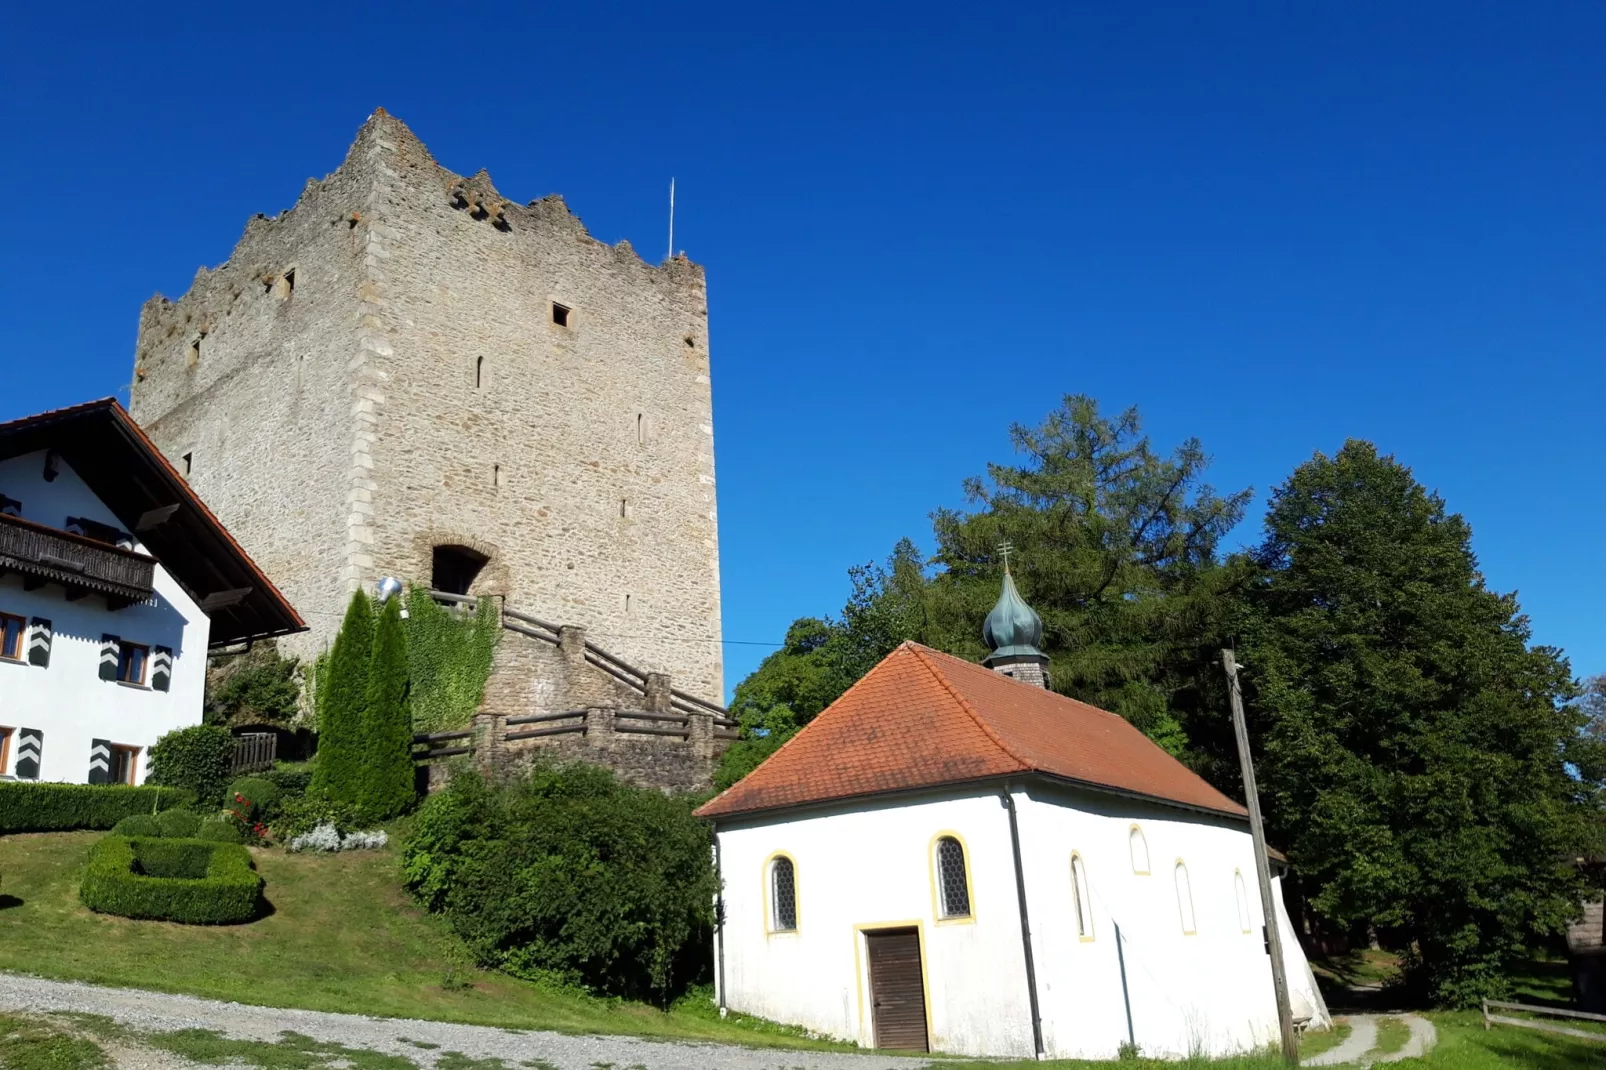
(578, 456)
(338, 430)
(250, 377)
(532, 676)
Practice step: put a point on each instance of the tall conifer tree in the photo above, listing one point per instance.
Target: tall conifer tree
(387, 738)
(341, 700)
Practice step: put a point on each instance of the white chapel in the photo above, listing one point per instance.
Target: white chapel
(954, 858)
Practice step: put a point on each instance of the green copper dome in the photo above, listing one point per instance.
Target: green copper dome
(1013, 628)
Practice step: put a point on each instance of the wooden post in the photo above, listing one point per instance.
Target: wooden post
(1257, 831)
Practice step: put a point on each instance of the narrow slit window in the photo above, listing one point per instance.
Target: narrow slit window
(195, 353)
(641, 432)
(479, 372)
(1084, 898)
(622, 506)
(1244, 921)
(953, 883)
(560, 314)
(1140, 852)
(496, 475)
(188, 461)
(783, 896)
(1185, 900)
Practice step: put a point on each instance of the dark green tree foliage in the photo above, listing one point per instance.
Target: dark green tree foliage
(387, 729)
(1415, 749)
(342, 698)
(197, 759)
(1115, 546)
(448, 660)
(257, 687)
(569, 874)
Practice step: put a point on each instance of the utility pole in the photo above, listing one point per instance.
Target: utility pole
(1257, 831)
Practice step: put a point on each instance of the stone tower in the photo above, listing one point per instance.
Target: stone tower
(407, 374)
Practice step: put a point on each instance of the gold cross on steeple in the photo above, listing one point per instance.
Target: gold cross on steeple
(1006, 548)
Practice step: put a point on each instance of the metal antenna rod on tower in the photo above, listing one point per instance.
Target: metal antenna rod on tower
(671, 217)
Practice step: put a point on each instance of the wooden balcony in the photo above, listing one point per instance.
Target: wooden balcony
(82, 565)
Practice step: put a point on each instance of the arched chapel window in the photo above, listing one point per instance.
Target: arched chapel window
(1185, 899)
(953, 884)
(1084, 898)
(783, 896)
(1244, 920)
(1140, 852)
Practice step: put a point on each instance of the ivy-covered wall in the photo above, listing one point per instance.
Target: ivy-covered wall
(449, 656)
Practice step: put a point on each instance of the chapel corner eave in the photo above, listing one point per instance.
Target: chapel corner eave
(1023, 778)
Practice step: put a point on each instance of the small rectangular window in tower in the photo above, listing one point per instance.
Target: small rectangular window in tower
(621, 507)
(479, 372)
(496, 475)
(188, 462)
(560, 314)
(641, 431)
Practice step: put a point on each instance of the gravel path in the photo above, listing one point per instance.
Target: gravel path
(1357, 1047)
(161, 1012)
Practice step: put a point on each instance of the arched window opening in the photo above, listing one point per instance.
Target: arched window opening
(1185, 899)
(1244, 919)
(1084, 898)
(1140, 852)
(453, 569)
(953, 884)
(783, 896)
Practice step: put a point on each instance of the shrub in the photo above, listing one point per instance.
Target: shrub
(139, 825)
(386, 786)
(569, 873)
(220, 830)
(291, 779)
(298, 816)
(327, 838)
(179, 824)
(29, 807)
(195, 758)
(256, 796)
(195, 882)
(342, 696)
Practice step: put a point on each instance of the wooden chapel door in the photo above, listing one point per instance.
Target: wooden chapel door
(897, 989)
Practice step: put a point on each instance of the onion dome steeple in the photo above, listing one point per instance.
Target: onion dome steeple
(1012, 631)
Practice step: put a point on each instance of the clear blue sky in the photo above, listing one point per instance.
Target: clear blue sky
(1268, 225)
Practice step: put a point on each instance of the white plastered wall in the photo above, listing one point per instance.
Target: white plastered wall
(67, 700)
(868, 865)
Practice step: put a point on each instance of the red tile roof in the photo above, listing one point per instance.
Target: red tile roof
(925, 719)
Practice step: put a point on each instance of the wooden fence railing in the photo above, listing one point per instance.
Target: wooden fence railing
(254, 751)
(1490, 1020)
(430, 751)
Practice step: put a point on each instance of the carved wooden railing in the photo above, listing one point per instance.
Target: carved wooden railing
(79, 563)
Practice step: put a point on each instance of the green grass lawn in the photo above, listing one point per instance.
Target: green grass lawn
(342, 936)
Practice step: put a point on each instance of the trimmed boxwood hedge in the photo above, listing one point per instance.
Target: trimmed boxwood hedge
(196, 882)
(32, 807)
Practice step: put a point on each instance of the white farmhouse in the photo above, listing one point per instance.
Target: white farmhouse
(114, 582)
(953, 858)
